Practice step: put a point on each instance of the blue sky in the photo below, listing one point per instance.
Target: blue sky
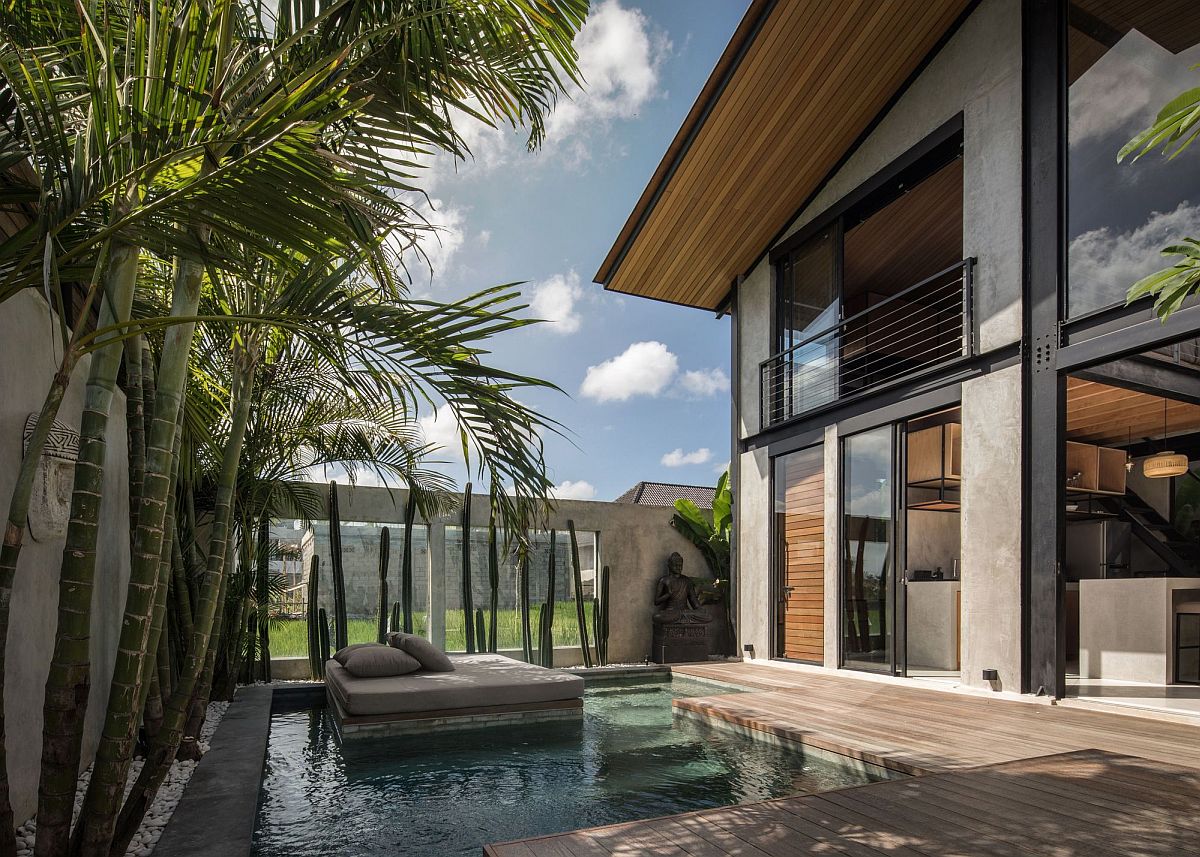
(647, 387)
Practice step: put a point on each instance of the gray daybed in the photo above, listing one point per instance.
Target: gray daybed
(481, 690)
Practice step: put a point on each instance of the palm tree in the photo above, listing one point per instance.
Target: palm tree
(212, 135)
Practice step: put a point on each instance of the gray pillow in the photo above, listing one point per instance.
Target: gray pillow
(430, 656)
(380, 661)
(341, 654)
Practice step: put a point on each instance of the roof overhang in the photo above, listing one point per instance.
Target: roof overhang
(800, 83)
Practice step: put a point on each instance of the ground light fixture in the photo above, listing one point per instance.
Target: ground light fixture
(1163, 465)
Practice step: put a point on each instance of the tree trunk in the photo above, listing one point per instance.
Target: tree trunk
(99, 829)
(116, 744)
(69, 680)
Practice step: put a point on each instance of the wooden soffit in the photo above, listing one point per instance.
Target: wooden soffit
(1104, 414)
(797, 86)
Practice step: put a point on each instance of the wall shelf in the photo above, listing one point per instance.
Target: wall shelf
(1093, 469)
(934, 477)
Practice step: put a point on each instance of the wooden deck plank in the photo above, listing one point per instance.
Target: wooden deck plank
(992, 811)
(997, 777)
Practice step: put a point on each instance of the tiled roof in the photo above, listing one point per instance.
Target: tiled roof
(665, 494)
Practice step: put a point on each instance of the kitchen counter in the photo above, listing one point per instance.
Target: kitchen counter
(1127, 626)
(933, 622)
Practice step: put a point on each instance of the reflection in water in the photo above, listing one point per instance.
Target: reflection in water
(452, 794)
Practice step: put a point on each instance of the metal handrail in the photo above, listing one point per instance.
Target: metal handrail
(850, 357)
(966, 264)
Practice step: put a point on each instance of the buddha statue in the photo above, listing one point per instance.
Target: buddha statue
(675, 598)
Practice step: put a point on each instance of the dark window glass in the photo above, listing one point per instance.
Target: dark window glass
(808, 291)
(868, 526)
(1126, 60)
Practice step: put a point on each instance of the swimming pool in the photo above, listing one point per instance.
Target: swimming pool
(450, 795)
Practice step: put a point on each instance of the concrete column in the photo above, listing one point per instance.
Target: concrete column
(756, 610)
(833, 547)
(436, 621)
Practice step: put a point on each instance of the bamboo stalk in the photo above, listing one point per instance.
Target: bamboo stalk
(69, 680)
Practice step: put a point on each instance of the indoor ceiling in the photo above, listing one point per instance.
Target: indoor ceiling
(798, 85)
(1108, 415)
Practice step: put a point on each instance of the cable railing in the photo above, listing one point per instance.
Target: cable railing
(922, 327)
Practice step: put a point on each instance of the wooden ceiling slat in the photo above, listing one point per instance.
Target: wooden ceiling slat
(1102, 413)
(816, 75)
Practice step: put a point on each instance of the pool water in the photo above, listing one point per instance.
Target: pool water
(450, 795)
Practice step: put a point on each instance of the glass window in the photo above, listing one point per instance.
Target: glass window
(808, 291)
(1126, 60)
(867, 535)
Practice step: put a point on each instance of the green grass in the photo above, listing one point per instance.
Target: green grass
(289, 637)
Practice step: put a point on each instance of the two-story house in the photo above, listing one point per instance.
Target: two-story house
(957, 453)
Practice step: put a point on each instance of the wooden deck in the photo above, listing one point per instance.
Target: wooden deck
(917, 730)
(1089, 803)
(993, 777)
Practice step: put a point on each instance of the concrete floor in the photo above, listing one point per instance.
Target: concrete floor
(1172, 698)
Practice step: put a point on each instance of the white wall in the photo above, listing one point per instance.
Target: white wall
(31, 352)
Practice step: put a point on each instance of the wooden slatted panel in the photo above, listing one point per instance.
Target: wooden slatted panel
(1081, 804)
(802, 555)
(814, 77)
(1101, 413)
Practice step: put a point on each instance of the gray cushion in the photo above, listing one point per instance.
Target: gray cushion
(477, 681)
(431, 657)
(341, 654)
(379, 662)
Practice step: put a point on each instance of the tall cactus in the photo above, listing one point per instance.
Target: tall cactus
(406, 565)
(385, 547)
(546, 626)
(600, 617)
(493, 581)
(396, 620)
(316, 663)
(526, 639)
(580, 615)
(262, 591)
(323, 630)
(468, 599)
(480, 628)
(340, 632)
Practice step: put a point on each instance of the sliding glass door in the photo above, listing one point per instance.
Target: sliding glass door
(868, 550)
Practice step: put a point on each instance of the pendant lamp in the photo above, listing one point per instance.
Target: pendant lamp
(1163, 465)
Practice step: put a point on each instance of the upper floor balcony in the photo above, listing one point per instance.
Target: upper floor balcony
(894, 339)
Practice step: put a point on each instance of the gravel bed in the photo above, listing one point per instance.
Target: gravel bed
(164, 804)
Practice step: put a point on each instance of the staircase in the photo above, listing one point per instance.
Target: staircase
(1156, 532)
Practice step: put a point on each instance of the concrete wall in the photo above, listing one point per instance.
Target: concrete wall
(31, 347)
(977, 73)
(634, 541)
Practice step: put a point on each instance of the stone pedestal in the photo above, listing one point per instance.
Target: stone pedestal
(680, 643)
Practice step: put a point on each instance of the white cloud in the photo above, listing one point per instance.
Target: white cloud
(678, 458)
(441, 429)
(568, 490)
(555, 301)
(1106, 263)
(439, 243)
(705, 382)
(620, 59)
(643, 369)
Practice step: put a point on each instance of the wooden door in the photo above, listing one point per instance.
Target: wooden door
(800, 553)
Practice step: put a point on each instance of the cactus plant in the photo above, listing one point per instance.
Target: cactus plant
(316, 663)
(600, 616)
(580, 615)
(546, 625)
(323, 630)
(480, 627)
(493, 581)
(468, 600)
(406, 566)
(526, 641)
(394, 623)
(340, 631)
(385, 547)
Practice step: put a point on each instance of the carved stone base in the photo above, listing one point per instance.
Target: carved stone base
(680, 643)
